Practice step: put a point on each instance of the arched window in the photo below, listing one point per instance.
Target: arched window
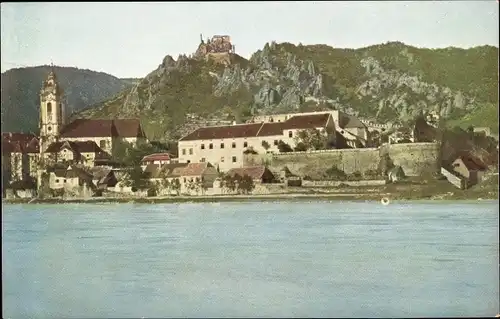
(49, 111)
(60, 110)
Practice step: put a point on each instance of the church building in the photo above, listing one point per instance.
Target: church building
(88, 142)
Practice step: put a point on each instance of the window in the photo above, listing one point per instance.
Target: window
(290, 134)
(184, 179)
(202, 160)
(245, 144)
(221, 145)
(211, 146)
(183, 151)
(271, 120)
(49, 128)
(60, 110)
(233, 145)
(102, 144)
(234, 159)
(57, 181)
(65, 180)
(222, 159)
(188, 161)
(275, 142)
(202, 146)
(49, 112)
(190, 151)
(197, 179)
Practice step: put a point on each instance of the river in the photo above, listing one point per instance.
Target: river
(253, 259)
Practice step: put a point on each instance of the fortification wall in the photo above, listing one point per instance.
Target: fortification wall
(315, 163)
(416, 159)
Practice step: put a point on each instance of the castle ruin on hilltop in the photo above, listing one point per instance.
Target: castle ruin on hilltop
(219, 47)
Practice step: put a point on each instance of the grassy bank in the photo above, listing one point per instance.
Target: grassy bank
(343, 196)
(410, 189)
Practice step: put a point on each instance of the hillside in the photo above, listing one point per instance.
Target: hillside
(20, 89)
(387, 82)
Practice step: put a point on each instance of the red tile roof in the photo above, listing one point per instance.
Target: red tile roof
(157, 157)
(255, 172)
(352, 122)
(306, 121)
(195, 169)
(271, 129)
(18, 137)
(20, 143)
(472, 163)
(222, 132)
(176, 169)
(77, 146)
(258, 129)
(103, 128)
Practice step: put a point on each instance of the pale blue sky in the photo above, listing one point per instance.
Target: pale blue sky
(131, 39)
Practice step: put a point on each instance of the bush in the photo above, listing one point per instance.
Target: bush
(354, 177)
(265, 145)
(284, 147)
(250, 151)
(301, 147)
(335, 173)
(371, 174)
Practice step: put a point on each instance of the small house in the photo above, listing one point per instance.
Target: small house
(289, 179)
(469, 167)
(81, 152)
(103, 177)
(158, 158)
(189, 176)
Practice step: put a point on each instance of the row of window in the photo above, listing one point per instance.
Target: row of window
(211, 146)
(233, 145)
(234, 159)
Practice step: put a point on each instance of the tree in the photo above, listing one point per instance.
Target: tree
(385, 164)
(176, 186)
(300, 147)
(266, 145)
(200, 185)
(137, 179)
(228, 182)
(245, 184)
(284, 147)
(312, 139)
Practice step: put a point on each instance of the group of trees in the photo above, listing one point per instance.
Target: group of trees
(237, 183)
(305, 140)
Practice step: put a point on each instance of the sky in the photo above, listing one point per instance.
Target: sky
(131, 39)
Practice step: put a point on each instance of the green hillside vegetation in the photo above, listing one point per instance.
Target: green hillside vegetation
(283, 77)
(484, 116)
(21, 87)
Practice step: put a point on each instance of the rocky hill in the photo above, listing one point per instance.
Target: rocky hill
(388, 82)
(20, 89)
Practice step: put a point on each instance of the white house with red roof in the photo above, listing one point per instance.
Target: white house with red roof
(223, 146)
(158, 158)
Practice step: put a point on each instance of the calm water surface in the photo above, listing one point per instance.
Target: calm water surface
(250, 260)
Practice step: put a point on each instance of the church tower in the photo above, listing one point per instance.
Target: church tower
(52, 111)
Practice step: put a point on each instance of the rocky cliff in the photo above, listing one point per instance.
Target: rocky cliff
(388, 82)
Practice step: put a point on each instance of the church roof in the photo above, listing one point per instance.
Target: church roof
(19, 143)
(103, 128)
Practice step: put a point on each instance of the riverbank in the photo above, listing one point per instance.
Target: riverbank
(246, 198)
(403, 191)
